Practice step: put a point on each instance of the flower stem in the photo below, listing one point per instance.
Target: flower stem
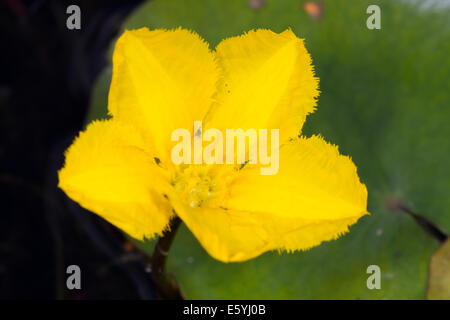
(427, 225)
(166, 285)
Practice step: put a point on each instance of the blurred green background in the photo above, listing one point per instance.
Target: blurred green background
(384, 101)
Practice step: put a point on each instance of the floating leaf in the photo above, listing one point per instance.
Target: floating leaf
(384, 100)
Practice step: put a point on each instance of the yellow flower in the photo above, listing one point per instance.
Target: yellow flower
(163, 80)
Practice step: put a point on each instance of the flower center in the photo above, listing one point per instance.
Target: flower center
(199, 185)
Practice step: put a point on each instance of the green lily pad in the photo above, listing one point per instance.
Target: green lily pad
(384, 101)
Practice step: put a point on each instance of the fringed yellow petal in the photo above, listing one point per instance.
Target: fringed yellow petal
(268, 82)
(227, 235)
(231, 235)
(108, 171)
(162, 80)
(314, 182)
